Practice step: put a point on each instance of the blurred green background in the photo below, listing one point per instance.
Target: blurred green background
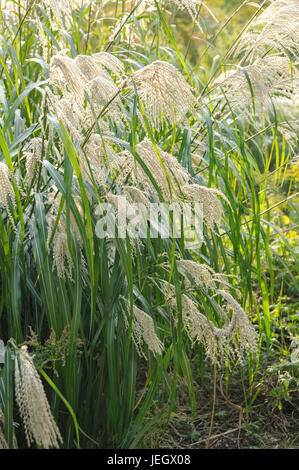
(211, 21)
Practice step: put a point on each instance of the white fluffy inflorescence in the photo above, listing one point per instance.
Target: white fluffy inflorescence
(60, 11)
(62, 260)
(275, 29)
(198, 327)
(248, 338)
(208, 197)
(33, 156)
(202, 274)
(171, 178)
(260, 83)
(143, 330)
(8, 7)
(80, 87)
(167, 171)
(219, 343)
(97, 158)
(33, 404)
(6, 190)
(140, 7)
(164, 92)
(76, 75)
(268, 70)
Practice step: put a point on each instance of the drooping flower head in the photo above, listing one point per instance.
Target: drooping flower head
(34, 408)
(164, 92)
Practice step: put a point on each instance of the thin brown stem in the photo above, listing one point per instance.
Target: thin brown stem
(213, 409)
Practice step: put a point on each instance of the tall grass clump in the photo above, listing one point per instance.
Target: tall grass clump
(99, 104)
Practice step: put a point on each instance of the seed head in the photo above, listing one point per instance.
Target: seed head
(165, 168)
(33, 404)
(164, 92)
(276, 28)
(248, 338)
(33, 155)
(143, 330)
(260, 83)
(6, 190)
(208, 197)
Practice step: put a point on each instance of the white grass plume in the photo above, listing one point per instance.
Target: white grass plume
(34, 408)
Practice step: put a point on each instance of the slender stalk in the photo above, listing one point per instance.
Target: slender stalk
(213, 406)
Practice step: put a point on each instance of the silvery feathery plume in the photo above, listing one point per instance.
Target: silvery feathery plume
(102, 91)
(6, 190)
(9, 8)
(260, 83)
(203, 275)
(208, 197)
(218, 342)
(73, 80)
(192, 6)
(110, 62)
(12, 9)
(122, 25)
(290, 129)
(136, 195)
(276, 28)
(66, 75)
(33, 155)
(248, 338)
(69, 111)
(198, 327)
(42, 39)
(164, 92)
(96, 158)
(143, 330)
(33, 404)
(75, 74)
(168, 173)
(62, 260)
(122, 167)
(59, 10)
(171, 178)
